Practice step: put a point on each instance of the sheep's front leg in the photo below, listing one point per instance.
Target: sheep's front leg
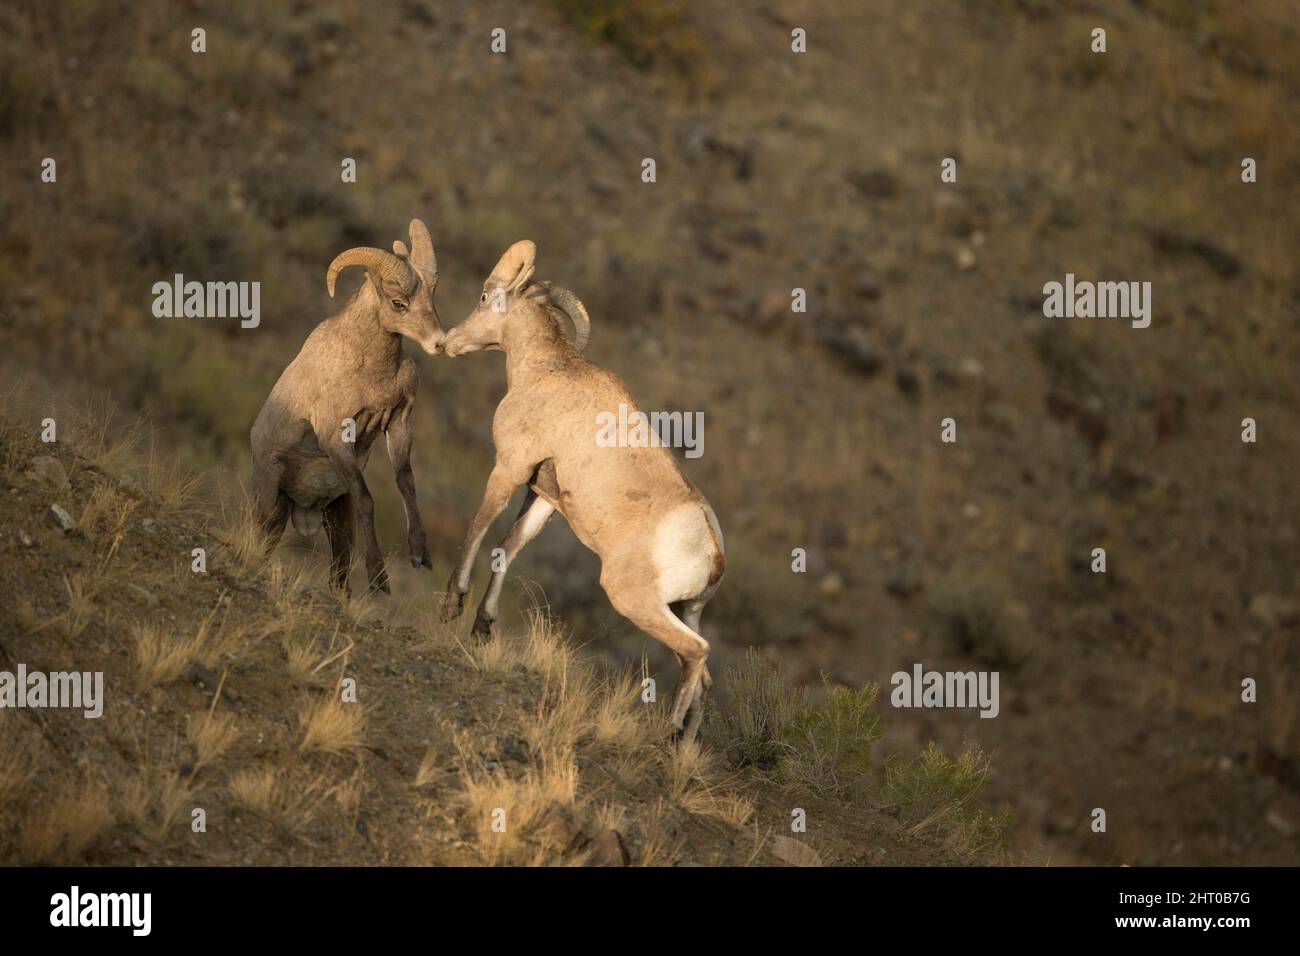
(399, 453)
(344, 458)
(500, 486)
(533, 515)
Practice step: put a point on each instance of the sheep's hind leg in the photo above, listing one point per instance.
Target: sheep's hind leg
(658, 620)
(695, 715)
(273, 519)
(339, 529)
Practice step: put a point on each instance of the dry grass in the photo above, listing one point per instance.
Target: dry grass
(526, 819)
(242, 545)
(81, 605)
(660, 845)
(173, 489)
(17, 765)
(698, 786)
(621, 720)
(284, 583)
(157, 795)
(211, 735)
(277, 798)
(66, 824)
(431, 768)
(110, 449)
(160, 657)
(15, 437)
(105, 515)
(305, 662)
(331, 726)
(543, 648)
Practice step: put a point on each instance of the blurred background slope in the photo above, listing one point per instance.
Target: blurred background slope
(775, 171)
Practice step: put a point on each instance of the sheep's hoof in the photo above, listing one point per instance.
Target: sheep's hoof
(421, 562)
(452, 605)
(482, 626)
(379, 582)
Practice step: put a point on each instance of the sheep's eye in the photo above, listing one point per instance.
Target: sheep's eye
(483, 297)
(399, 305)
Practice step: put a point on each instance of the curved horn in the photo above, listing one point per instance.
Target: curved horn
(570, 305)
(516, 267)
(385, 264)
(422, 255)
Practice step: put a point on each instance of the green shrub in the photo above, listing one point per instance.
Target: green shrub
(828, 744)
(760, 709)
(824, 746)
(972, 602)
(647, 32)
(936, 792)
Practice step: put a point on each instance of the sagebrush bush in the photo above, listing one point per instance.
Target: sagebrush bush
(751, 729)
(938, 792)
(646, 32)
(972, 604)
(828, 744)
(823, 745)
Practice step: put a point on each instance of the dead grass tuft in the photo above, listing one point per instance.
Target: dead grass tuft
(63, 827)
(277, 798)
(332, 726)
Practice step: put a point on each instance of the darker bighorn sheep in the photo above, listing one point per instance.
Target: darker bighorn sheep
(658, 540)
(350, 381)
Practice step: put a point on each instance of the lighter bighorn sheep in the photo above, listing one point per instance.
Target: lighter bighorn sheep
(351, 380)
(657, 538)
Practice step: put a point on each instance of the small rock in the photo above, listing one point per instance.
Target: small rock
(903, 583)
(789, 850)
(831, 584)
(873, 183)
(207, 678)
(50, 471)
(25, 539)
(61, 519)
(867, 286)
(853, 347)
(965, 259)
(908, 383)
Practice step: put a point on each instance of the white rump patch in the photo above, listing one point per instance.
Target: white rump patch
(683, 553)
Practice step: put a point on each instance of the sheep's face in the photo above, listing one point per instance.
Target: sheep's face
(410, 311)
(484, 328)
(504, 290)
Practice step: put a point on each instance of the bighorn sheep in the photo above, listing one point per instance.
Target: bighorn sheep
(657, 538)
(350, 381)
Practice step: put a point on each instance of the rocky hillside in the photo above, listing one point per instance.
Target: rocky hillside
(247, 715)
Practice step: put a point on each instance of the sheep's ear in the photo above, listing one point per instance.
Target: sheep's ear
(399, 247)
(516, 266)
